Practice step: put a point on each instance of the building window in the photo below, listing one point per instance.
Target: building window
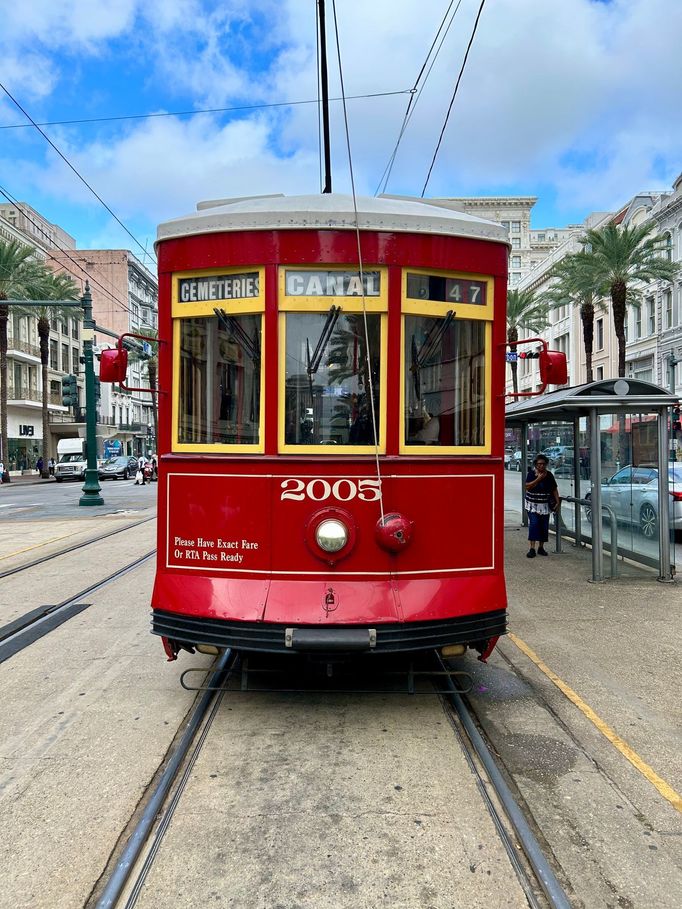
(562, 344)
(667, 247)
(65, 357)
(651, 315)
(541, 238)
(668, 307)
(516, 262)
(54, 355)
(599, 373)
(74, 360)
(516, 242)
(516, 277)
(516, 227)
(600, 334)
(74, 329)
(505, 224)
(638, 321)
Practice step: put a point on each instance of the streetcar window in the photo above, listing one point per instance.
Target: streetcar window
(219, 380)
(327, 375)
(444, 381)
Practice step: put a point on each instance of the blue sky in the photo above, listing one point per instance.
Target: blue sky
(573, 101)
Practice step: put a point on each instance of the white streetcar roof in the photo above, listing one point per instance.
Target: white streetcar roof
(330, 211)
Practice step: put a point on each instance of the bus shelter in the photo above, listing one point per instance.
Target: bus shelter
(613, 445)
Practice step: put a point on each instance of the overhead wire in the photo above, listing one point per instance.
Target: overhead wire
(66, 253)
(415, 94)
(361, 269)
(454, 95)
(202, 110)
(75, 171)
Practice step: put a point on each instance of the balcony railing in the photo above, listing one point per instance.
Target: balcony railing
(23, 393)
(23, 346)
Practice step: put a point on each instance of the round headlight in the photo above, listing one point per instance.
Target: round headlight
(331, 535)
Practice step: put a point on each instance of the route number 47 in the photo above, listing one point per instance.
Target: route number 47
(320, 490)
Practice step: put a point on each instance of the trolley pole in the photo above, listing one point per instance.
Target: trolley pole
(91, 488)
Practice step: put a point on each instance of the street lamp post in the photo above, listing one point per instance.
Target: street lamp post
(672, 364)
(91, 488)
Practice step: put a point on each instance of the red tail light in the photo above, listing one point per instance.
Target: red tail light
(677, 496)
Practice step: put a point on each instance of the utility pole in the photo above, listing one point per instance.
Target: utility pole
(324, 80)
(91, 488)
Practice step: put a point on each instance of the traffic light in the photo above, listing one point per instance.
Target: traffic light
(69, 391)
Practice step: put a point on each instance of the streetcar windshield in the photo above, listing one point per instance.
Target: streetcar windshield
(327, 378)
(444, 381)
(219, 380)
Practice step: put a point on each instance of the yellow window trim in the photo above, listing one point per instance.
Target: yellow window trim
(439, 308)
(369, 450)
(435, 450)
(239, 306)
(215, 447)
(323, 303)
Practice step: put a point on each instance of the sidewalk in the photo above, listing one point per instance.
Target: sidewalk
(27, 480)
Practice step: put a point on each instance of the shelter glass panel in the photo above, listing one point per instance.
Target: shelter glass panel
(219, 398)
(444, 381)
(328, 372)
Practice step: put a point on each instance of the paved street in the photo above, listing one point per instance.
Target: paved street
(22, 501)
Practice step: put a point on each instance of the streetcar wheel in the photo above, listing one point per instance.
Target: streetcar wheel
(648, 521)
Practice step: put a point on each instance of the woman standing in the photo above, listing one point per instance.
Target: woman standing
(542, 497)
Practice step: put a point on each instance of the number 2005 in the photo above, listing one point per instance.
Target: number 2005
(320, 490)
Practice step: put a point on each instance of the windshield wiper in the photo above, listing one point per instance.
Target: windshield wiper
(233, 327)
(430, 345)
(327, 331)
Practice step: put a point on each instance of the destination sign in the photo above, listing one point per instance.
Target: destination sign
(331, 283)
(218, 287)
(446, 290)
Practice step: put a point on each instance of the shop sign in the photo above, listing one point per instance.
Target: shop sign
(26, 429)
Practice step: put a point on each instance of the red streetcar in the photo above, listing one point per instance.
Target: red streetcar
(330, 427)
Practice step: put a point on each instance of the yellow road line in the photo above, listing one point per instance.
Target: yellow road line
(666, 791)
(38, 545)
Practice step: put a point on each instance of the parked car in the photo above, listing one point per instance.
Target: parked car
(512, 459)
(632, 492)
(122, 466)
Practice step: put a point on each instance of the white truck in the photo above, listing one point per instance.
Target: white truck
(71, 460)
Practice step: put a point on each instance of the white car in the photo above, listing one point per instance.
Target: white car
(632, 492)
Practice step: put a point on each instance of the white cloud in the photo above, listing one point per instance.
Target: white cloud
(571, 94)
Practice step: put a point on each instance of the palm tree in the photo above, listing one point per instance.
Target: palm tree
(616, 261)
(526, 311)
(53, 287)
(21, 277)
(571, 288)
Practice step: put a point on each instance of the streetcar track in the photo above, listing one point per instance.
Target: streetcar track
(25, 630)
(533, 872)
(74, 548)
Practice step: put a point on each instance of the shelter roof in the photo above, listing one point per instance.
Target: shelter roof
(330, 211)
(609, 395)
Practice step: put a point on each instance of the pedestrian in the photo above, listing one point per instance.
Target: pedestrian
(39, 465)
(139, 476)
(50, 466)
(542, 497)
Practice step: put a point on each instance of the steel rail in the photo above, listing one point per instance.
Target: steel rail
(68, 549)
(18, 634)
(114, 887)
(536, 857)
